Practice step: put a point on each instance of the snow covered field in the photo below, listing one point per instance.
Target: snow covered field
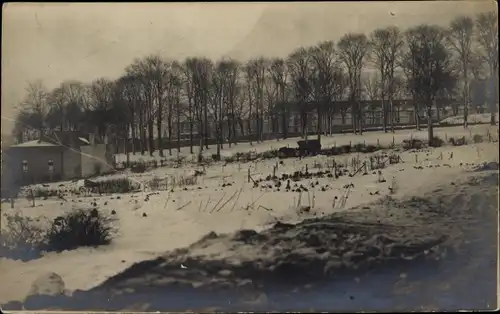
(223, 201)
(473, 118)
(384, 139)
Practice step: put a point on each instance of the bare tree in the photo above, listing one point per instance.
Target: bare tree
(429, 66)
(338, 93)
(68, 104)
(201, 70)
(189, 70)
(123, 94)
(217, 101)
(353, 49)
(230, 70)
(460, 38)
(278, 73)
(324, 63)
(372, 86)
(34, 109)
(129, 86)
(155, 72)
(250, 83)
(300, 70)
(256, 71)
(56, 111)
(143, 70)
(385, 45)
(176, 82)
(100, 115)
(487, 37)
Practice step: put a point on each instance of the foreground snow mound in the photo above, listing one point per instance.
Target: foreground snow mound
(418, 231)
(310, 250)
(487, 166)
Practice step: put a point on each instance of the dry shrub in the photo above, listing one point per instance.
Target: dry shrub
(377, 162)
(345, 149)
(216, 157)
(157, 184)
(21, 237)
(270, 154)
(187, 180)
(436, 142)
(413, 144)
(458, 141)
(42, 192)
(25, 238)
(370, 148)
(80, 228)
(117, 185)
(477, 138)
(394, 159)
(138, 167)
(359, 147)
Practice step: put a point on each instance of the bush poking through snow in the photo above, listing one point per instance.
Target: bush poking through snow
(458, 141)
(43, 192)
(413, 144)
(477, 138)
(158, 184)
(187, 180)
(21, 237)
(113, 185)
(117, 185)
(82, 227)
(138, 167)
(437, 142)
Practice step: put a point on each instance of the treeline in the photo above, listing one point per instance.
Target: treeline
(220, 100)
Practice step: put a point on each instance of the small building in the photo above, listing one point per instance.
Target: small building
(58, 156)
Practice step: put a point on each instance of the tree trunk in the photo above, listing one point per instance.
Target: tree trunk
(142, 131)
(159, 130)
(361, 118)
(391, 105)
(151, 143)
(242, 127)
(430, 131)
(249, 126)
(126, 145)
(466, 94)
(249, 114)
(205, 108)
(191, 120)
(178, 114)
(319, 128)
(416, 116)
(354, 117)
(132, 126)
(233, 127)
(384, 114)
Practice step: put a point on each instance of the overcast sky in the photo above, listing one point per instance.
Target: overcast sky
(84, 41)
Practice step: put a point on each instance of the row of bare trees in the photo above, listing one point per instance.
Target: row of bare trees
(228, 98)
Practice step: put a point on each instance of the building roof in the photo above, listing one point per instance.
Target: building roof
(67, 138)
(36, 143)
(62, 138)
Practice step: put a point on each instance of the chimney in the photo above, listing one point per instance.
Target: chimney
(92, 139)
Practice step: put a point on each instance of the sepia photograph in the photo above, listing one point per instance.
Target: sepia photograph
(250, 156)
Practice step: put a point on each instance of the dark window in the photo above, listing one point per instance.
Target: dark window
(51, 165)
(25, 165)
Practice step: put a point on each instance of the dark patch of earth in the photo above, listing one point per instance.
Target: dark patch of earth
(435, 252)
